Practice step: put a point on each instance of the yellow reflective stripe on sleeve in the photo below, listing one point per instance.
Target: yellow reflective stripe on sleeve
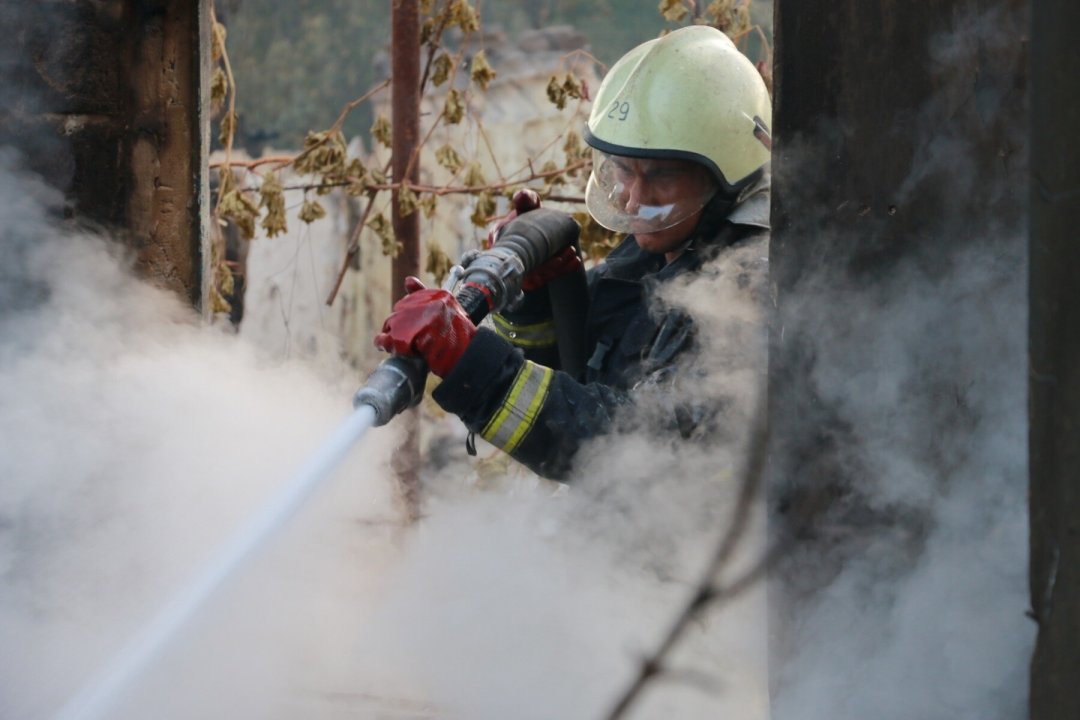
(528, 336)
(515, 418)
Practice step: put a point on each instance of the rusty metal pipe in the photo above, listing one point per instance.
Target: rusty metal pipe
(405, 137)
(405, 117)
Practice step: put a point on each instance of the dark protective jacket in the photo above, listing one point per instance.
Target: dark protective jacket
(506, 386)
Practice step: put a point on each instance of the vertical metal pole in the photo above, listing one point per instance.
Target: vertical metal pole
(1054, 356)
(405, 100)
(405, 117)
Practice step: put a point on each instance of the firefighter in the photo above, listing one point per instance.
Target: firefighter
(680, 138)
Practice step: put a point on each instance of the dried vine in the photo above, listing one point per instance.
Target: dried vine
(251, 192)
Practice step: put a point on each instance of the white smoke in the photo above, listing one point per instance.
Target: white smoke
(906, 596)
(135, 441)
(926, 615)
(525, 603)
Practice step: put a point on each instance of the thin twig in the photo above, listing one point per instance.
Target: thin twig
(353, 104)
(252, 164)
(707, 592)
(574, 117)
(336, 127)
(586, 54)
(440, 190)
(576, 199)
(487, 144)
(435, 43)
(415, 156)
(351, 248)
(373, 190)
(354, 241)
(760, 32)
(283, 160)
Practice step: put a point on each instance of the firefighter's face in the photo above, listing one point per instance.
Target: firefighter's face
(674, 184)
(658, 200)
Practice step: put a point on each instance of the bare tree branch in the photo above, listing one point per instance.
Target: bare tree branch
(707, 592)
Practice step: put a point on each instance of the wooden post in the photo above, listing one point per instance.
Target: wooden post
(167, 145)
(105, 102)
(1054, 377)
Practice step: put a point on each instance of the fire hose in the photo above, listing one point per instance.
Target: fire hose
(489, 281)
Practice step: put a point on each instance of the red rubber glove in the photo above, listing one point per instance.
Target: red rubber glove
(566, 261)
(429, 324)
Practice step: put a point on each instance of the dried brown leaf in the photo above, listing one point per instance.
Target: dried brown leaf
(556, 93)
(427, 204)
(311, 211)
(357, 178)
(448, 157)
(484, 210)
(480, 71)
(385, 231)
(219, 88)
(237, 207)
(574, 148)
(464, 16)
(272, 197)
(474, 176)
(440, 69)
(382, 131)
(438, 263)
(427, 30)
(572, 87)
(407, 201)
(228, 128)
(673, 10)
(454, 109)
(730, 16)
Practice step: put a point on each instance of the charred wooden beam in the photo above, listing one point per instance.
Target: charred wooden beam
(105, 100)
(1054, 377)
